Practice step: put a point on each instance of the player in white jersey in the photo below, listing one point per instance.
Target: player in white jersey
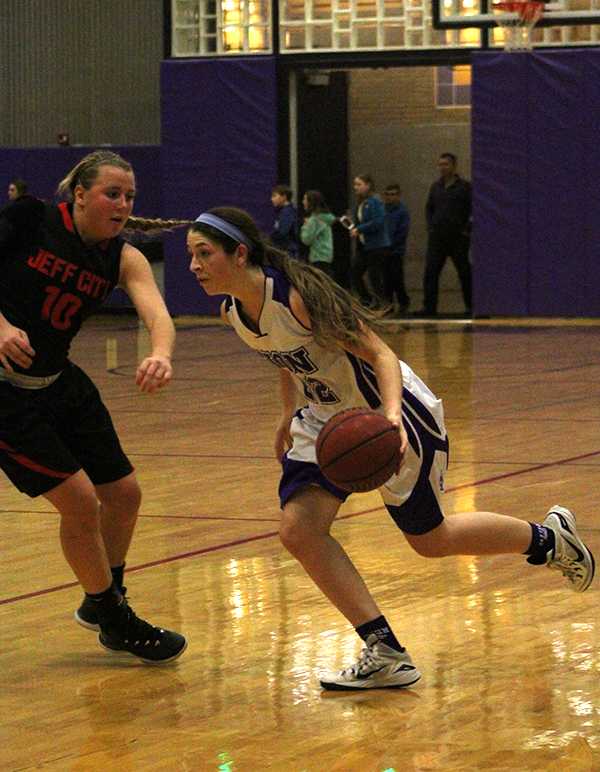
(324, 346)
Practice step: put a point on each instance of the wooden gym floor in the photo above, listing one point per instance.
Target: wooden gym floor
(510, 656)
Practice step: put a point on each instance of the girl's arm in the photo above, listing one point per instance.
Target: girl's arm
(389, 377)
(287, 390)
(387, 371)
(380, 356)
(374, 351)
(137, 280)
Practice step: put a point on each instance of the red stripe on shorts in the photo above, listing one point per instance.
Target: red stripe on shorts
(30, 464)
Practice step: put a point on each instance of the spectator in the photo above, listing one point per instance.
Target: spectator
(16, 189)
(316, 232)
(448, 213)
(397, 218)
(372, 241)
(285, 228)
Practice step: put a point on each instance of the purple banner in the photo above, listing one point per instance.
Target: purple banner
(219, 147)
(535, 169)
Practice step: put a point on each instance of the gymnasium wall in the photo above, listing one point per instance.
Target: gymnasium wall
(219, 147)
(88, 68)
(397, 134)
(43, 168)
(536, 156)
(410, 159)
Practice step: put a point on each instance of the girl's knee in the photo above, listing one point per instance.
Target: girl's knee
(132, 497)
(122, 498)
(81, 515)
(75, 499)
(291, 536)
(296, 536)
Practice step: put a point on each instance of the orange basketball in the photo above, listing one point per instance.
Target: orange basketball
(358, 449)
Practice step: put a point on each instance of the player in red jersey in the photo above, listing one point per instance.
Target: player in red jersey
(57, 440)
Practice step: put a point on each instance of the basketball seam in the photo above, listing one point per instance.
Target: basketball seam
(358, 480)
(357, 447)
(347, 413)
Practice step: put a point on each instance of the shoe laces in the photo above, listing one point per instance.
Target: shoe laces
(138, 630)
(569, 567)
(365, 663)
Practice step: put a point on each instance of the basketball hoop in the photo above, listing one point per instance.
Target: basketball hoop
(517, 18)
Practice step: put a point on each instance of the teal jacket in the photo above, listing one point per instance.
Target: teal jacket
(316, 234)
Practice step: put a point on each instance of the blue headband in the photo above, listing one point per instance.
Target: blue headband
(225, 227)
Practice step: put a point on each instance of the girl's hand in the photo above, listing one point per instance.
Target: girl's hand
(283, 439)
(153, 373)
(403, 446)
(403, 439)
(15, 347)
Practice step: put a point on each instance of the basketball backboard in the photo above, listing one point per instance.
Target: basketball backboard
(465, 14)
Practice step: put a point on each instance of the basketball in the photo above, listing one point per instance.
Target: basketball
(358, 449)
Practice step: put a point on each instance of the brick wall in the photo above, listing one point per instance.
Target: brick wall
(397, 135)
(405, 95)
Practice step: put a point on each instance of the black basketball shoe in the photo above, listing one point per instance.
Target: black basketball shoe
(122, 630)
(87, 614)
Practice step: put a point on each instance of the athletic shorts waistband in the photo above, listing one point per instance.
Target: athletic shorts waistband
(22, 381)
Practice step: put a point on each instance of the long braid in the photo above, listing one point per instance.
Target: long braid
(85, 172)
(155, 225)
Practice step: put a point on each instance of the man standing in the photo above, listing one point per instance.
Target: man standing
(448, 213)
(397, 218)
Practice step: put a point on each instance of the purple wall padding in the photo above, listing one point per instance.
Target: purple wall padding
(535, 160)
(219, 147)
(44, 167)
(590, 183)
(500, 149)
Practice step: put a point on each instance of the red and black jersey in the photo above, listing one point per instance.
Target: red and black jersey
(50, 281)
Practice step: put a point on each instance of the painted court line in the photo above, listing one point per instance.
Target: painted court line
(535, 468)
(271, 534)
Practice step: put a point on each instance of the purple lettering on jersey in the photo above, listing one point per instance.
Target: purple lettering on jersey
(297, 361)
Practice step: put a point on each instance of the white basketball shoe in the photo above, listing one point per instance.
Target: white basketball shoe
(570, 554)
(378, 667)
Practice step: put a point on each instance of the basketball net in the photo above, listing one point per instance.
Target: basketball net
(517, 18)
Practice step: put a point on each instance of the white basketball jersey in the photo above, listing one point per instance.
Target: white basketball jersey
(328, 380)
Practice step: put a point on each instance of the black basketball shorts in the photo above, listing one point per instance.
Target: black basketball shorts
(46, 435)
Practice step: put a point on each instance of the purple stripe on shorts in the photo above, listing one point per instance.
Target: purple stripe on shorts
(299, 474)
(421, 411)
(366, 388)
